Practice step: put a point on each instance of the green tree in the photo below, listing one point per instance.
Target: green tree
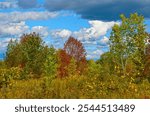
(93, 69)
(13, 51)
(51, 63)
(109, 64)
(127, 40)
(29, 54)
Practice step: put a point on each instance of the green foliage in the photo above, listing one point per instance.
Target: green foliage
(108, 64)
(93, 69)
(146, 60)
(127, 40)
(29, 54)
(72, 67)
(51, 63)
(13, 51)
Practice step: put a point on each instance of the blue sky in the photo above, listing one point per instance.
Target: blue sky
(56, 20)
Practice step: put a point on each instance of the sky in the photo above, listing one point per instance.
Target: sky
(89, 21)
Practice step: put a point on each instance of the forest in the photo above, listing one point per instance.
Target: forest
(33, 70)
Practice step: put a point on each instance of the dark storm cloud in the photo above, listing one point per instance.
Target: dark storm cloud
(27, 3)
(101, 9)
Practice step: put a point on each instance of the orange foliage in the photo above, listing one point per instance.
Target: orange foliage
(74, 48)
(64, 60)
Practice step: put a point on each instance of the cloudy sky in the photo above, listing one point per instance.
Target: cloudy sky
(90, 21)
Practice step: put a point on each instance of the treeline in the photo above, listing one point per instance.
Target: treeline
(35, 59)
(31, 69)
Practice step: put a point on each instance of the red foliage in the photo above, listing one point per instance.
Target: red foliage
(72, 49)
(64, 60)
(75, 49)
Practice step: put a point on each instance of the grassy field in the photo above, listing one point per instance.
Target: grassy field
(77, 87)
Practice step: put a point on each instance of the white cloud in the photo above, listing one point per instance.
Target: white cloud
(13, 23)
(4, 43)
(23, 16)
(88, 56)
(98, 52)
(61, 33)
(103, 41)
(43, 31)
(13, 29)
(89, 42)
(97, 29)
(94, 54)
(17, 29)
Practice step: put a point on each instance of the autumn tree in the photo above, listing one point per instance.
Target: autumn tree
(71, 58)
(75, 49)
(29, 54)
(63, 63)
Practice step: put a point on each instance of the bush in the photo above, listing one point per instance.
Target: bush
(6, 75)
